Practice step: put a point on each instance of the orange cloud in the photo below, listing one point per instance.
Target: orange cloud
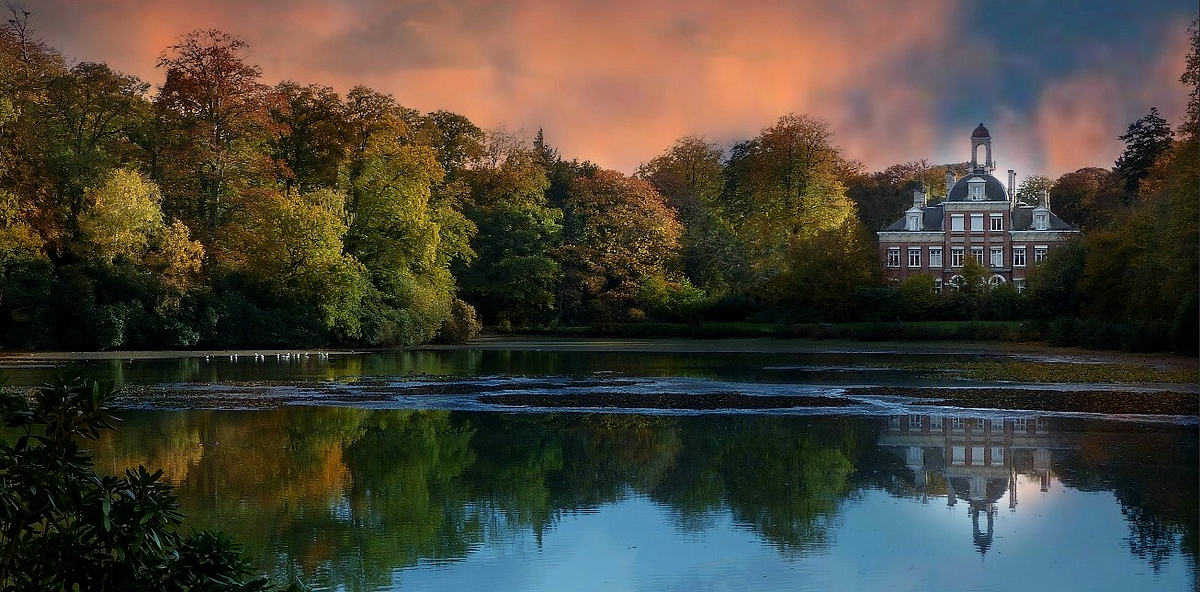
(617, 82)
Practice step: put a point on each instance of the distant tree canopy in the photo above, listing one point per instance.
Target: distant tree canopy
(217, 210)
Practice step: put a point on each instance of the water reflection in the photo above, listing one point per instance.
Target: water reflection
(363, 499)
(976, 460)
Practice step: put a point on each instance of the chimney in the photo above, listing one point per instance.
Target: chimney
(1045, 201)
(949, 180)
(919, 197)
(1012, 185)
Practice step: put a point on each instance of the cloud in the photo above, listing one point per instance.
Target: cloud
(617, 82)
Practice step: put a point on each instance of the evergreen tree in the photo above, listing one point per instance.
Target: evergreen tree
(1145, 140)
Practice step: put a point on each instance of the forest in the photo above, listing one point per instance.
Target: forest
(218, 211)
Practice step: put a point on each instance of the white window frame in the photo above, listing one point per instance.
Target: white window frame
(1018, 257)
(976, 222)
(937, 285)
(935, 257)
(914, 257)
(977, 252)
(935, 423)
(1039, 253)
(997, 221)
(1041, 221)
(893, 257)
(997, 257)
(957, 254)
(957, 223)
(1020, 284)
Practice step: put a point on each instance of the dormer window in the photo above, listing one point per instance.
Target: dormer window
(975, 189)
(914, 221)
(1041, 221)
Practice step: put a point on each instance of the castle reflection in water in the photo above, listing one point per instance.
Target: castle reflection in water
(975, 460)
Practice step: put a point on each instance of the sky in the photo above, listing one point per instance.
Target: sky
(618, 81)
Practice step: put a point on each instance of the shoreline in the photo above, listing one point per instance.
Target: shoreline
(737, 345)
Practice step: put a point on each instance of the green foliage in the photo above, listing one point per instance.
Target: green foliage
(62, 526)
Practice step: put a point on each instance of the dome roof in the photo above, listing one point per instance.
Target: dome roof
(981, 132)
(993, 189)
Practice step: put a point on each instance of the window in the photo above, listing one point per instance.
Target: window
(957, 282)
(1018, 256)
(935, 257)
(1041, 221)
(893, 257)
(914, 256)
(976, 222)
(1039, 253)
(997, 256)
(977, 252)
(1019, 426)
(914, 423)
(935, 423)
(975, 189)
(997, 221)
(997, 456)
(937, 285)
(957, 424)
(956, 257)
(914, 221)
(996, 280)
(958, 455)
(956, 223)
(1020, 284)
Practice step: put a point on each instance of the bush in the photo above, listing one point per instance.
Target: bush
(63, 527)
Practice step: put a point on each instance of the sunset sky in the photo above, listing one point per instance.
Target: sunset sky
(617, 81)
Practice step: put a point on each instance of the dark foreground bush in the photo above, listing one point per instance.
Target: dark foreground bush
(63, 527)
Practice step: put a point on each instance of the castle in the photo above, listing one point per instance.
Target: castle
(979, 218)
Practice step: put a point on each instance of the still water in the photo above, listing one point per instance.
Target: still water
(365, 473)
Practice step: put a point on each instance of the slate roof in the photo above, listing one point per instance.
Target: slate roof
(931, 219)
(1022, 219)
(993, 189)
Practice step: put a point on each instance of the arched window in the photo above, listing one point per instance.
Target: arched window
(996, 280)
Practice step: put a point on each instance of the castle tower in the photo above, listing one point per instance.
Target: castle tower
(981, 137)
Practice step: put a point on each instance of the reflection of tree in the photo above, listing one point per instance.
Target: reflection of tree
(1150, 473)
(339, 495)
(784, 479)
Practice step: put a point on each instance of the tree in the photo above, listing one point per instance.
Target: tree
(690, 176)
(618, 233)
(121, 218)
(90, 119)
(515, 276)
(781, 189)
(1030, 190)
(312, 135)
(1089, 197)
(1145, 140)
(213, 98)
(291, 244)
(62, 526)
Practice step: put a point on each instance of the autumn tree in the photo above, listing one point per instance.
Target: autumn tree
(212, 99)
(618, 233)
(784, 188)
(311, 142)
(122, 216)
(1089, 197)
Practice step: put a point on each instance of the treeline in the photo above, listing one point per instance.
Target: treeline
(220, 211)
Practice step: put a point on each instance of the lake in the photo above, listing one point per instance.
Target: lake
(382, 471)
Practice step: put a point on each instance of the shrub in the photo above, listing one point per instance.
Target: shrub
(63, 527)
